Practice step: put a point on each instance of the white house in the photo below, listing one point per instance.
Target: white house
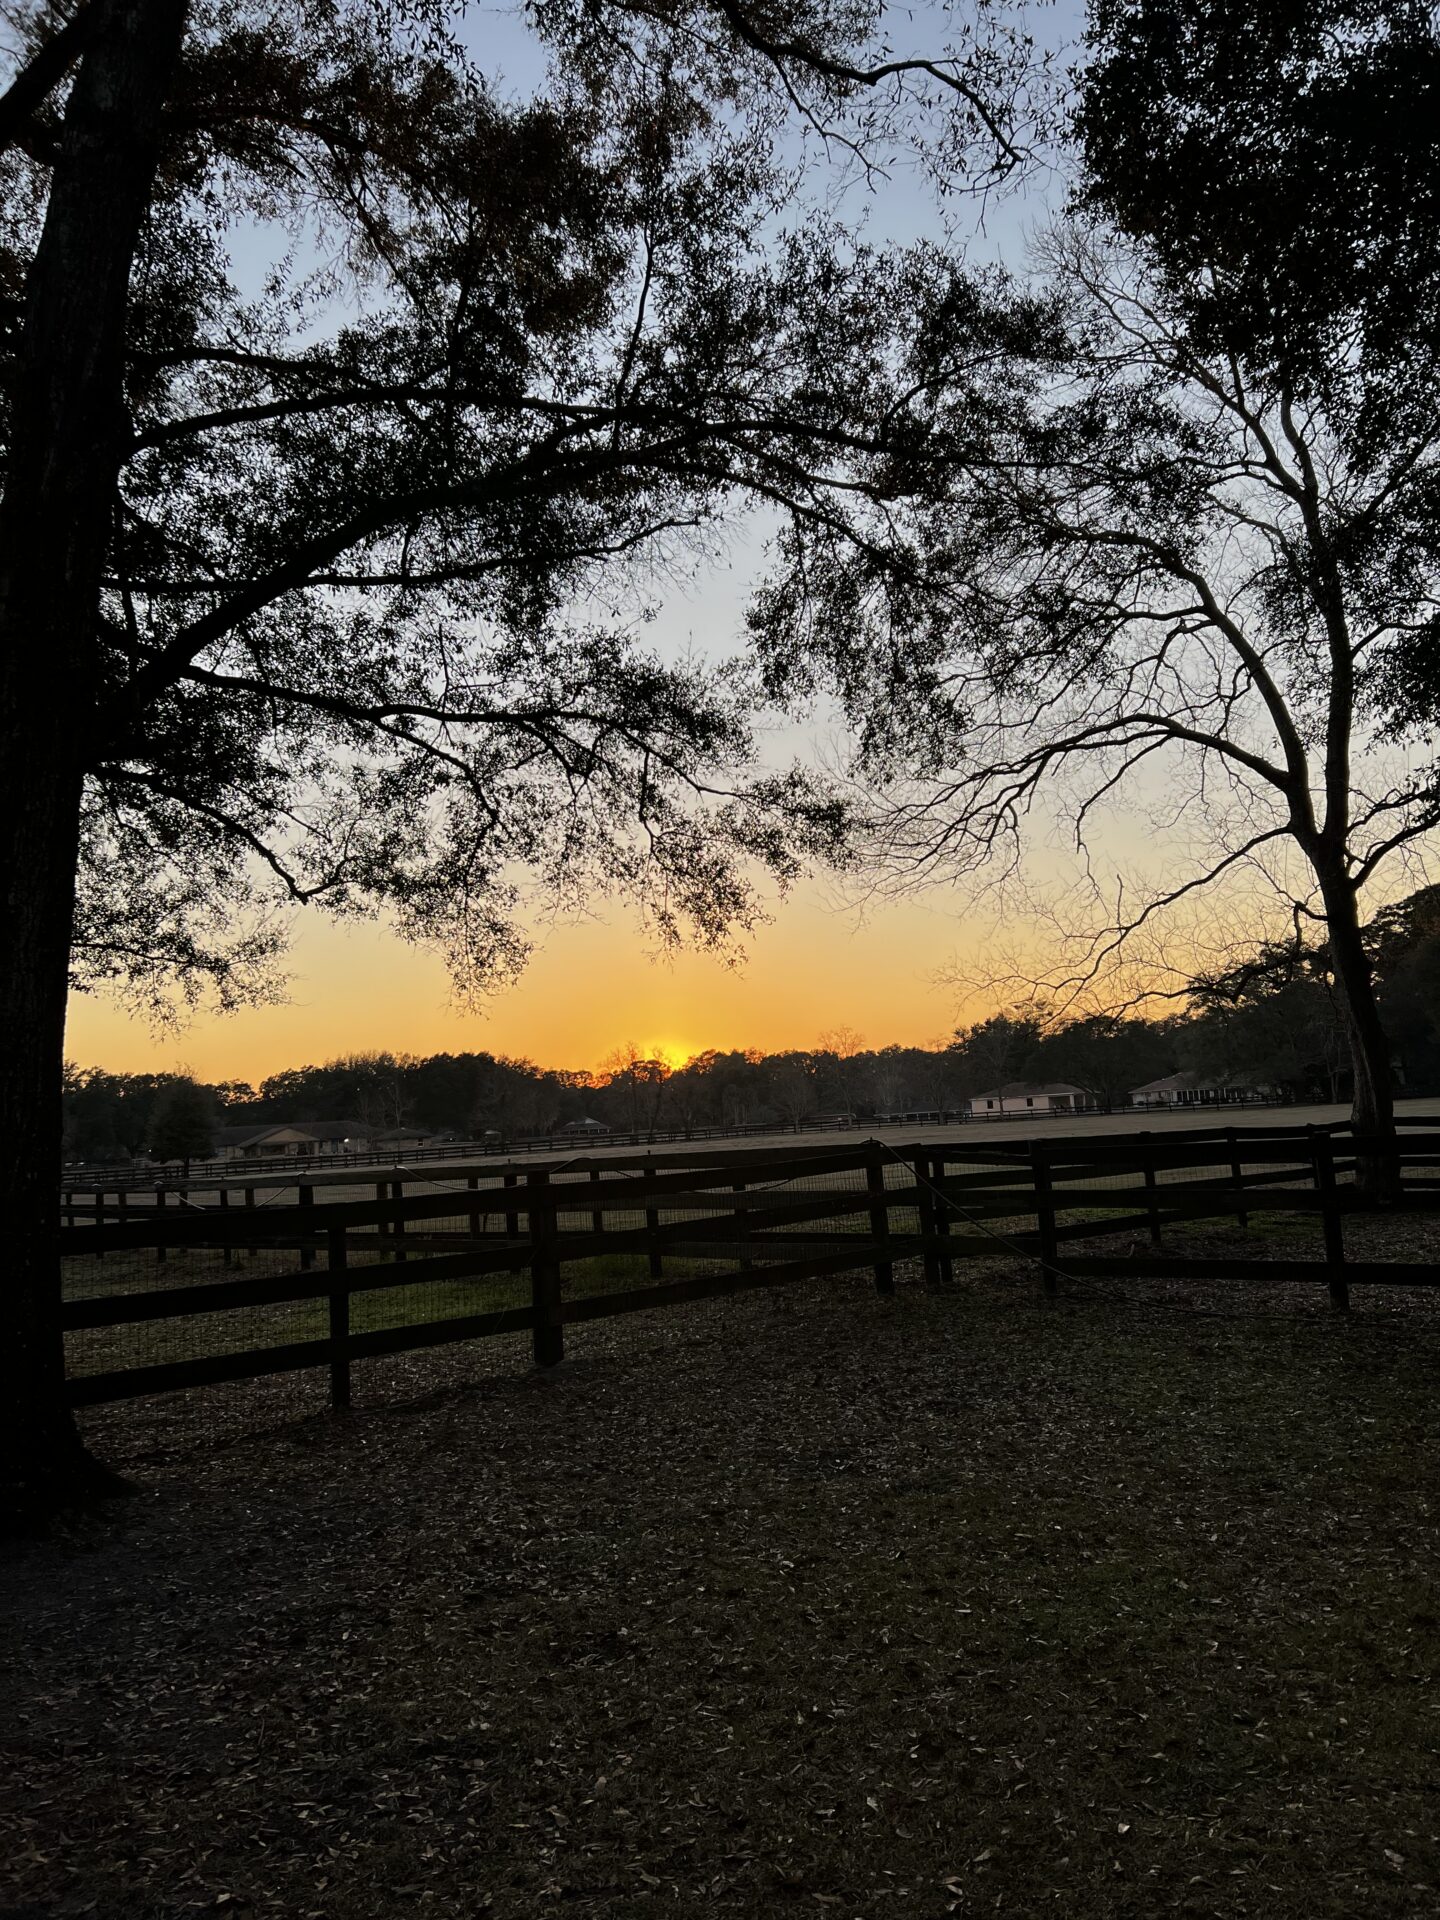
(1020, 1097)
(1194, 1090)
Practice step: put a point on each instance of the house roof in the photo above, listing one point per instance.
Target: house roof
(1189, 1083)
(304, 1129)
(1017, 1089)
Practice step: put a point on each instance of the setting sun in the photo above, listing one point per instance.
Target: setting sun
(671, 1053)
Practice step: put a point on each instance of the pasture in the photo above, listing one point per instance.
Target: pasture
(808, 1602)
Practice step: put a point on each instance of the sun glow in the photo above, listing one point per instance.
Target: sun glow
(588, 992)
(671, 1054)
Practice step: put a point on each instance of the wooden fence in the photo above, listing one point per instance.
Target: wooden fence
(698, 1226)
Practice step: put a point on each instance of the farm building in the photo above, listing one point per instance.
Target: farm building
(1020, 1097)
(1193, 1090)
(300, 1139)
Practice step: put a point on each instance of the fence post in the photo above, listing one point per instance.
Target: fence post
(1323, 1152)
(472, 1183)
(1045, 1214)
(98, 1222)
(925, 1212)
(946, 1266)
(597, 1214)
(879, 1217)
(1152, 1191)
(160, 1203)
(382, 1231)
(339, 1320)
(1237, 1174)
(512, 1220)
(228, 1256)
(742, 1216)
(397, 1194)
(549, 1336)
(306, 1197)
(652, 1227)
(250, 1204)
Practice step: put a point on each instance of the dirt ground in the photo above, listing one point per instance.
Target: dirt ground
(805, 1602)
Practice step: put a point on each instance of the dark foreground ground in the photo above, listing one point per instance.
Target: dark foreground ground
(806, 1603)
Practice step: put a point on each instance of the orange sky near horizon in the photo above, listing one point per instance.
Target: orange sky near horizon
(590, 988)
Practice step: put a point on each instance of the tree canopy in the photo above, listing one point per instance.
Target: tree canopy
(344, 400)
(1156, 561)
(418, 381)
(1280, 165)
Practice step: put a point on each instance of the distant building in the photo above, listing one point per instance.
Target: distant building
(1194, 1090)
(291, 1139)
(585, 1125)
(912, 1117)
(399, 1139)
(1020, 1097)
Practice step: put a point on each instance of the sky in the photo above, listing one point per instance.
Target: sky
(593, 986)
(591, 989)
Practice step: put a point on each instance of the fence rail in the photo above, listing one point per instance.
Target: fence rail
(536, 1249)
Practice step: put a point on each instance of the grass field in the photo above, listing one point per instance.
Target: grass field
(812, 1602)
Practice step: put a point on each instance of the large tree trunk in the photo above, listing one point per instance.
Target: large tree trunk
(69, 428)
(1373, 1099)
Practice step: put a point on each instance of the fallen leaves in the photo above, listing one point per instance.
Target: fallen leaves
(901, 1607)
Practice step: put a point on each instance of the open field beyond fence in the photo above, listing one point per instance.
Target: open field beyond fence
(85, 1178)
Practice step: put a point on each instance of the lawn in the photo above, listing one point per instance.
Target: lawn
(805, 1602)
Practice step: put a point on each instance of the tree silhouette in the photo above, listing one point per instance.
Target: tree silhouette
(285, 567)
(182, 1126)
(1141, 548)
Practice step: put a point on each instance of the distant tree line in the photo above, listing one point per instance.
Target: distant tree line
(1271, 1021)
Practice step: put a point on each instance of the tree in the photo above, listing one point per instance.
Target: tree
(1209, 528)
(1279, 161)
(1141, 549)
(1106, 1055)
(839, 1067)
(1404, 941)
(284, 568)
(992, 1051)
(1272, 1020)
(182, 1126)
(93, 1117)
(638, 1083)
(792, 1086)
